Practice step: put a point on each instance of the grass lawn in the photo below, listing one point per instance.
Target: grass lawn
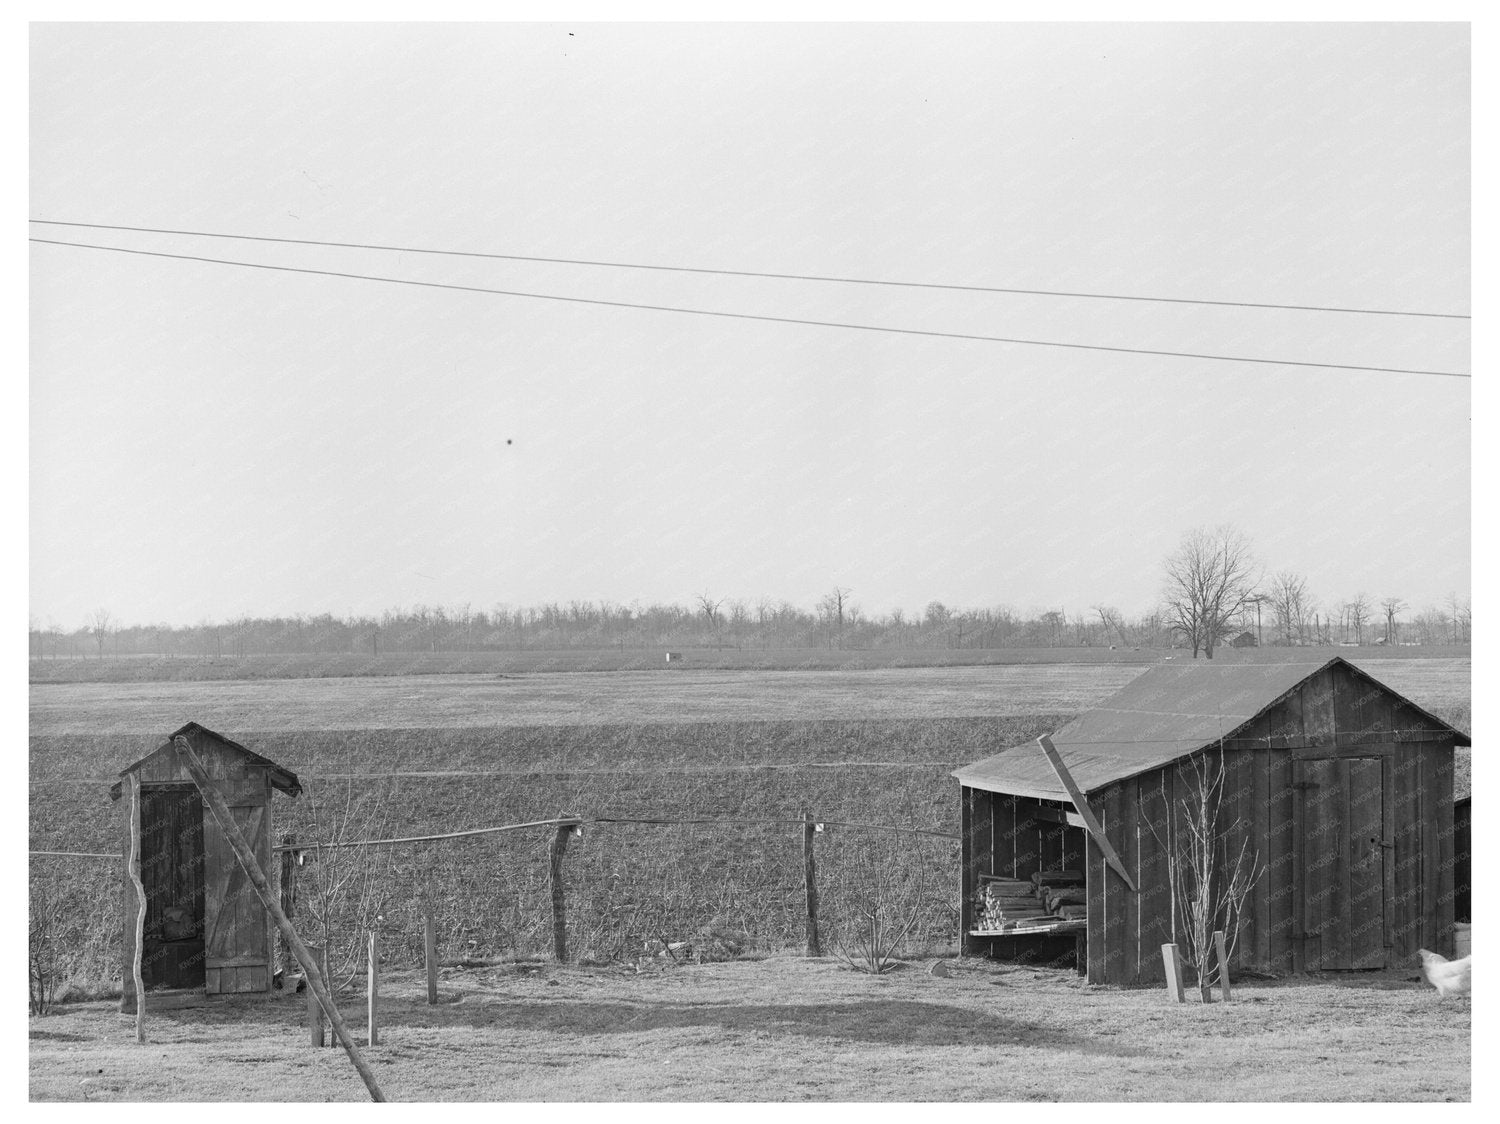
(783, 1029)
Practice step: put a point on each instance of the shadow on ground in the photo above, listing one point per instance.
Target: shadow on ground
(896, 1022)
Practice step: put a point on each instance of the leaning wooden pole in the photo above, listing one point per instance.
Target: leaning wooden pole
(137, 973)
(225, 819)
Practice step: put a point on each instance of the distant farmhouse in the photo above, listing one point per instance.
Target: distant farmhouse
(1243, 640)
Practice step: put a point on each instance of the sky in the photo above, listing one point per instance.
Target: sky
(208, 440)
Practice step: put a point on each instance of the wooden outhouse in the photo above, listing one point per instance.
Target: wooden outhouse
(205, 926)
(1339, 787)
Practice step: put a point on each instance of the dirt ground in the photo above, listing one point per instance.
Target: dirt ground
(781, 1029)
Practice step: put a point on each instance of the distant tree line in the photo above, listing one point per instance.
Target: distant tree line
(1282, 612)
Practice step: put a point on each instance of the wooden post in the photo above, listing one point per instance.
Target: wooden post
(137, 974)
(236, 840)
(1172, 960)
(372, 991)
(314, 1008)
(430, 948)
(810, 884)
(288, 895)
(559, 903)
(1223, 958)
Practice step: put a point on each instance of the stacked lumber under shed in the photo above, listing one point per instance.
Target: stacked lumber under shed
(1009, 903)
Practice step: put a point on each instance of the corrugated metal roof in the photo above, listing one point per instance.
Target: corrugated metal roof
(1165, 713)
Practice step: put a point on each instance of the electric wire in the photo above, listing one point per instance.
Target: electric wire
(752, 273)
(924, 332)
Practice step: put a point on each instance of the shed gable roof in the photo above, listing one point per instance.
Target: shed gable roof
(1163, 714)
(281, 778)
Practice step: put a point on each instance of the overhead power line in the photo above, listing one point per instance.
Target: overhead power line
(755, 316)
(754, 273)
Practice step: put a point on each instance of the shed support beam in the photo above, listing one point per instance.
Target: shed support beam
(1090, 822)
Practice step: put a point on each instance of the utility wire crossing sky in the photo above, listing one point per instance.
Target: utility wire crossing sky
(770, 319)
(984, 314)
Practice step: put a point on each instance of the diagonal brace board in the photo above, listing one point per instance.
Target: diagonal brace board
(1090, 822)
(246, 858)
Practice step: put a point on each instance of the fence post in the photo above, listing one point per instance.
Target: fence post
(288, 890)
(1223, 958)
(430, 946)
(810, 884)
(314, 1008)
(372, 990)
(137, 973)
(559, 903)
(1172, 960)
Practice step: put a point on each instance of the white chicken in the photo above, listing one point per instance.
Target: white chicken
(1450, 977)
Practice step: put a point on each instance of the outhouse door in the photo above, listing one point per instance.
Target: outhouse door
(238, 939)
(172, 876)
(1341, 862)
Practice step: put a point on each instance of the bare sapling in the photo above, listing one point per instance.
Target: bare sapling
(869, 936)
(344, 890)
(1209, 876)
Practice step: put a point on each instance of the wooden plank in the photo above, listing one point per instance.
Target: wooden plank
(1255, 941)
(1285, 722)
(1441, 804)
(1298, 932)
(1172, 965)
(1127, 904)
(1279, 880)
(1090, 820)
(1317, 709)
(1026, 837)
(1154, 905)
(1094, 869)
(966, 868)
(1238, 813)
(1406, 901)
(1366, 898)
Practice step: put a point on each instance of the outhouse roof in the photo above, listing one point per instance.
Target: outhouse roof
(1163, 714)
(281, 778)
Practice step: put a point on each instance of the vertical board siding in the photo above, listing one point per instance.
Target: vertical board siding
(1004, 835)
(1153, 877)
(966, 882)
(1243, 837)
(1126, 827)
(1316, 694)
(1439, 812)
(1462, 869)
(1407, 853)
(1366, 814)
(1278, 879)
(1094, 869)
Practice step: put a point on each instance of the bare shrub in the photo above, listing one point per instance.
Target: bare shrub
(344, 891)
(1208, 876)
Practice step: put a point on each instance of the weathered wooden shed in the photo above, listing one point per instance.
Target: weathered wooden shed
(1342, 787)
(205, 927)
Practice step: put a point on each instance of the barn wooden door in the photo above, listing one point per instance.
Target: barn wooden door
(172, 875)
(238, 938)
(1341, 862)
